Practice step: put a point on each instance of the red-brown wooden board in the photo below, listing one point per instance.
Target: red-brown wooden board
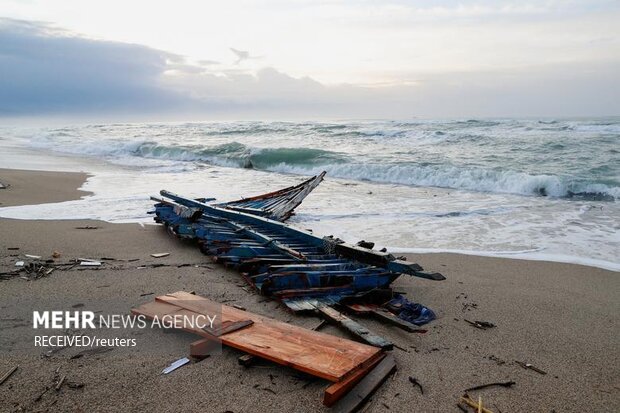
(322, 355)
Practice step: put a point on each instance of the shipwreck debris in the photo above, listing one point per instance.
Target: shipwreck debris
(484, 386)
(246, 360)
(8, 374)
(90, 263)
(60, 382)
(415, 382)
(530, 367)
(303, 271)
(366, 244)
(278, 205)
(175, 365)
(355, 328)
(383, 314)
(359, 394)
(160, 255)
(341, 361)
(483, 325)
(476, 405)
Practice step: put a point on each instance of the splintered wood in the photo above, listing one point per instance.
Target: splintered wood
(338, 360)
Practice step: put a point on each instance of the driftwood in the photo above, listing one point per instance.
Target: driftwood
(415, 382)
(483, 325)
(355, 328)
(476, 405)
(484, 386)
(8, 374)
(357, 396)
(529, 366)
(60, 382)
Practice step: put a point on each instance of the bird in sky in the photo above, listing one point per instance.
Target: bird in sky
(243, 55)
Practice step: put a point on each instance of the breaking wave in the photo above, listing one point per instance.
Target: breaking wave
(235, 154)
(306, 161)
(471, 179)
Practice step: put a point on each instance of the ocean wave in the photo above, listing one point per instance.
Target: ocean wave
(235, 154)
(306, 161)
(472, 179)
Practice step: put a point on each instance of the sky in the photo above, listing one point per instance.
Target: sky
(275, 59)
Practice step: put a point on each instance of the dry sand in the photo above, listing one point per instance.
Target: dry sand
(561, 318)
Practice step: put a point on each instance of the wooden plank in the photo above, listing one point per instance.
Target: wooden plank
(316, 353)
(392, 319)
(246, 360)
(334, 392)
(8, 374)
(228, 327)
(202, 348)
(355, 328)
(204, 306)
(384, 315)
(366, 387)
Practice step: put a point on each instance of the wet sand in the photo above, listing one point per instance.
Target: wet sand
(561, 318)
(39, 187)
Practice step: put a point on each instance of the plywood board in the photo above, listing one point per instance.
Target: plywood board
(322, 355)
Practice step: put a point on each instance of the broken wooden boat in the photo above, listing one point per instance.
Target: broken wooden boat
(304, 271)
(278, 205)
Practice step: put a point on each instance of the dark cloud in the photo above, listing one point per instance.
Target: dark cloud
(47, 71)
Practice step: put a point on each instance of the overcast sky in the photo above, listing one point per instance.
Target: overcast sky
(191, 60)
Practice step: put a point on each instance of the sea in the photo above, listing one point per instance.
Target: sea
(542, 189)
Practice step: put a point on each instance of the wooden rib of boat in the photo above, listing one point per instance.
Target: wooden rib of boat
(278, 205)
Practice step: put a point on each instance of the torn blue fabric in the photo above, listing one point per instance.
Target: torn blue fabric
(413, 313)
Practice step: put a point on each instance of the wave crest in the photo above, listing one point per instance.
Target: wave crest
(340, 165)
(307, 161)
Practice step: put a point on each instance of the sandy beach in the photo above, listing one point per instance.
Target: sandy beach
(39, 187)
(561, 318)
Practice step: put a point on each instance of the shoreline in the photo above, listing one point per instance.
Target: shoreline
(558, 317)
(518, 255)
(71, 183)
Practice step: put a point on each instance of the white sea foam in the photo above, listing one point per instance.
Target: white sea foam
(457, 178)
(533, 255)
(306, 161)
